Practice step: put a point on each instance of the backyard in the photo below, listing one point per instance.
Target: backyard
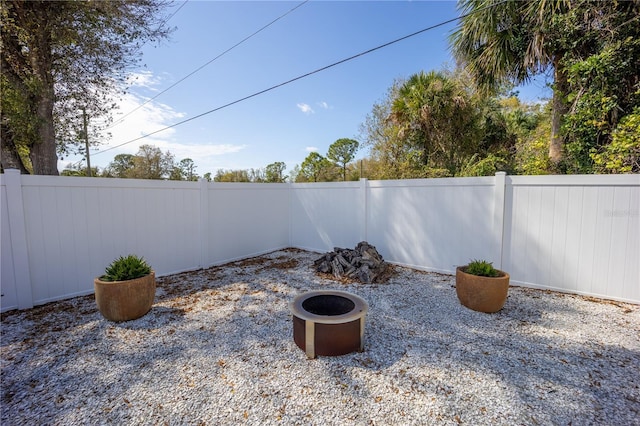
(217, 348)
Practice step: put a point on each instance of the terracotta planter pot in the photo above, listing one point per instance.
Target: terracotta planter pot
(125, 300)
(482, 294)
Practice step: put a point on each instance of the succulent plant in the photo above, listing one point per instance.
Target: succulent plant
(481, 268)
(126, 268)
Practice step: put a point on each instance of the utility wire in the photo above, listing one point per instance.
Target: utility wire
(139, 48)
(174, 13)
(121, 119)
(350, 58)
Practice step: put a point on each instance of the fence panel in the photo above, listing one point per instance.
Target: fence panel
(327, 215)
(8, 293)
(246, 220)
(76, 226)
(578, 234)
(433, 224)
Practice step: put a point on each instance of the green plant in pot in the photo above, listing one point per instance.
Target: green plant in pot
(126, 290)
(482, 287)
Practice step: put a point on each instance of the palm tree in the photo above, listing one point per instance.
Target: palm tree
(435, 115)
(512, 41)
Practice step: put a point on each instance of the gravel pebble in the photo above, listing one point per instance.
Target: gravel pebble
(217, 349)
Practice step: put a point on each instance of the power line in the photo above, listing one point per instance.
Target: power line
(121, 119)
(174, 13)
(139, 48)
(350, 58)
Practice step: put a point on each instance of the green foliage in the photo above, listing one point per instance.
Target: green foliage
(151, 163)
(79, 170)
(504, 41)
(61, 57)
(593, 49)
(604, 89)
(233, 176)
(622, 155)
(435, 125)
(437, 116)
(481, 268)
(126, 268)
(532, 125)
(315, 168)
(121, 166)
(274, 172)
(19, 126)
(184, 170)
(391, 157)
(532, 157)
(341, 152)
(487, 166)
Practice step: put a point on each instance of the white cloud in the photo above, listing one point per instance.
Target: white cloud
(153, 117)
(324, 105)
(305, 108)
(144, 79)
(198, 153)
(311, 149)
(133, 120)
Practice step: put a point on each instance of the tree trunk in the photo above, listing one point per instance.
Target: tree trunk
(559, 105)
(10, 159)
(43, 151)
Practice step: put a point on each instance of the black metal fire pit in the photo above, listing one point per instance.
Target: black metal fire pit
(328, 322)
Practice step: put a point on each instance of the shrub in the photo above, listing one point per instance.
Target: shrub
(481, 268)
(126, 268)
(622, 155)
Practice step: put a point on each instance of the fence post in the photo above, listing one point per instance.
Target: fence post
(364, 187)
(203, 229)
(18, 235)
(290, 213)
(498, 216)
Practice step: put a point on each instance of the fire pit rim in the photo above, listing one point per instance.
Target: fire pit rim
(359, 311)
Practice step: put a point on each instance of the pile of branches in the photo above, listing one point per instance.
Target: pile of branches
(363, 263)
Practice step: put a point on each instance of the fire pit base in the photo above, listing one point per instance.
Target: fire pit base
(328, 322)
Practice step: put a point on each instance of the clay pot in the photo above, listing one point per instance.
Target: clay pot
(125, 300)
(482, 294)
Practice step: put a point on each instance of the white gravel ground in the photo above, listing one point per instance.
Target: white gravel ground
(217, 349)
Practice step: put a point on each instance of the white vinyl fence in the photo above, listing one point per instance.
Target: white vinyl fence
(578, 234)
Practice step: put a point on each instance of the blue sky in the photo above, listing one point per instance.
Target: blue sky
(286, 123)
